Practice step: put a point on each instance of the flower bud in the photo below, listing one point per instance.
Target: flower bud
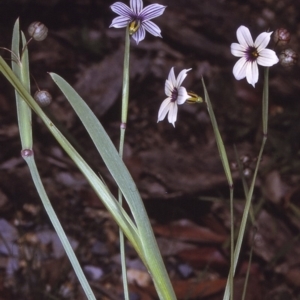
(281, 36)
(194, 98)
(288, 58)
(38, 31)
(43, 98)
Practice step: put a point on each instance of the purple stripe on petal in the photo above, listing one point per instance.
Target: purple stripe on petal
(121, 9)
(152, 11)
(139, 35)
(151, 28)
(136, 6)
(120, 22)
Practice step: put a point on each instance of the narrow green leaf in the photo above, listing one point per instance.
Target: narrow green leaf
(126, 184)
(100, 188)
(58, 228)
(21, 69)
(219, 140)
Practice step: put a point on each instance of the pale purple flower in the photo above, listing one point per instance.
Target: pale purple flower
(138, 17)
(177, 95)
(251, 54)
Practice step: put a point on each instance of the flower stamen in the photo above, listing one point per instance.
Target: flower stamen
(134, 26)
(193, 98)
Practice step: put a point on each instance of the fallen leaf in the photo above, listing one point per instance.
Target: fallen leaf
(185, 230)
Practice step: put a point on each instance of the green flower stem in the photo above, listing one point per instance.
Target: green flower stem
(265, 106)
(265, 109)
(125, 90)
(225, 162)
(125, 97)
(248, 269)
(231, 274)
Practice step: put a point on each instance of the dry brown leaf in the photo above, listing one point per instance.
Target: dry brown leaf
(204, 256)
(185, 230)
(191, 289)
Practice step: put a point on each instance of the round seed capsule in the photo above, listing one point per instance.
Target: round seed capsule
(288, 58)
(281, 36)
(38, 31)
(43, 98)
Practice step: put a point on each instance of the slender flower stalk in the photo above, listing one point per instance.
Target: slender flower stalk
(177, 95)
(251, 54)
(137, 18)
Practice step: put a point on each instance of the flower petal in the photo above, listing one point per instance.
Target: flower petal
(120, 22)
(164, 108)
(169, 88)
(152, 11)
(239, 69)
(139, 35)
(262, 41)
(237, 50)
(121, 9)
(181, 76)
(151, 28)
(252, 73)
(244, 36)
(182, 95)
(172, 116)
(136, 6)
(171, 77)
(267, 58)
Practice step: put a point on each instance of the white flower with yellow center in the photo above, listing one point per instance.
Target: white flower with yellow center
(252, 54)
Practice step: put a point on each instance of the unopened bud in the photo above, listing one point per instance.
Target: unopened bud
(43, 98)
(288, 58)
(194, 98)
(38, 31)
(281, 36)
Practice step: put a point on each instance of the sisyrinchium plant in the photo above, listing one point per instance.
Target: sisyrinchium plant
(136, 19)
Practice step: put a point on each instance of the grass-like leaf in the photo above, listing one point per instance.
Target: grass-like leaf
(21, 69)
(120, 173)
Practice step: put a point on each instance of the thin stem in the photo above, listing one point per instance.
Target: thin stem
(265, 104)
(248, 268)
(265, 109)
(231, 273)
(125, 94)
